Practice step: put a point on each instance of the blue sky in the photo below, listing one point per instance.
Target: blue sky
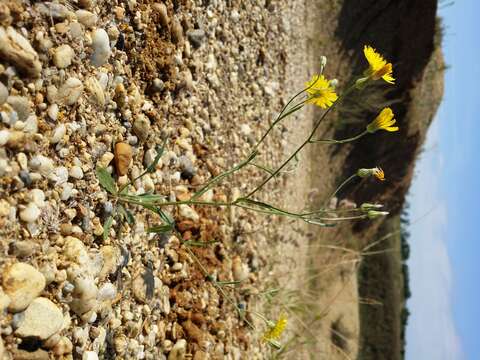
(445, 259)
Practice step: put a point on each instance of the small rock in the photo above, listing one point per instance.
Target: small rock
(177, 32)
(141, 127)
(4, 137)
(157, 85)
(42, 164)
(21, 105)
(31, 213)
(188, 213)
(107, 292)
(55, 11)
(89, 355)
(76, 172)
(75, 251)
(178, 351)
(52, 111)
(3, 93)
(63, 56)
(86, 18)
(64, 346)
(38, 197)
(161, 9)
(4, 302)
(110, 257)
(24, 248)
(58, 134)
(196, 37)
(123, 157)
(101, 47)
(239, 269)
(41, 320)
(38, 354)
(15, 49)
(22, 283)
(96, 90)
(105, 159)
(70, 91)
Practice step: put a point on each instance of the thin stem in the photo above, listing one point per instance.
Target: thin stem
(340, 188)
(315, 127)
(343, 141)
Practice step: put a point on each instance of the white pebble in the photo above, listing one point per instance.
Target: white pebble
(38, 197)
(70, 91)
(63, 56)
(101, 47)
(76, 172)
(31, 213)
(4, 136)
(58, 134)
(52, 112)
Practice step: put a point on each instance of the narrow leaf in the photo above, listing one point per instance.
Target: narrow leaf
(106, 180)
(106, 227)
(160, 151)
(159, 229)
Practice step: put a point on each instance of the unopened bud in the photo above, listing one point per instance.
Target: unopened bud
(334, 83)
(367, 206)
(323, 63)
(373, 214)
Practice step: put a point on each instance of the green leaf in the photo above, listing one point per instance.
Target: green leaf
(106, 227)
(159, 229)
(160, 151)
(106, 180)
(127, 214)
(199, 243)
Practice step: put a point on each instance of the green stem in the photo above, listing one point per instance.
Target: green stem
(343, 141)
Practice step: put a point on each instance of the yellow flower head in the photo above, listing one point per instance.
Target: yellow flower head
(275, 330)
(320, 92)
(376, 171)
(378, 66)
(383, 121)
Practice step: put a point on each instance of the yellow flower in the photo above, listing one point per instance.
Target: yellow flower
(383, 121)
(379, 68)
(275, 330)
(320, 92)
(376, 171)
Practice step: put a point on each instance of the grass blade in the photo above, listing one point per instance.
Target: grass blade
(106, 180)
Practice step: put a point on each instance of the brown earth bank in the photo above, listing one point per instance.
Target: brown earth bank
(78, 77)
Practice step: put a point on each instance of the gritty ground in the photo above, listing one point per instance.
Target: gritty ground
(79, 77)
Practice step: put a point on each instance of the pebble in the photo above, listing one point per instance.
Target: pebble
(196, 37)
(86, 18)
(21, 106)
(4, 137)
(239, 269)
(89, 355)
(188, 213)
(161, 9)
(4, 301)
(123, 157)
(141, 127)
(42, 164)
(76, 172)
(16, 50)
(70, 91)
(22, 283)
(58, 134)
(105, 160)
(178, 351)
(62, 347)
(75, 251)
(107, 292)
(3, 93)
(38, 197)
(52, 112)
(177, 32)
(31, 213)
(63, 56)
(157, 85)
(96, 90)
(40, 320)
(101, 47)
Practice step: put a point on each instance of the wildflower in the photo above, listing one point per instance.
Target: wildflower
(376, 171)
(275, 330)
(378, 66)
(383, 121)
(373, 214)
(320, 92)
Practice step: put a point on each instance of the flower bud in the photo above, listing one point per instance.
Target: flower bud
(373, 214)
(367, 206)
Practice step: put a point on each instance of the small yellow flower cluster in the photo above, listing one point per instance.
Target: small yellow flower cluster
(275, 330)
